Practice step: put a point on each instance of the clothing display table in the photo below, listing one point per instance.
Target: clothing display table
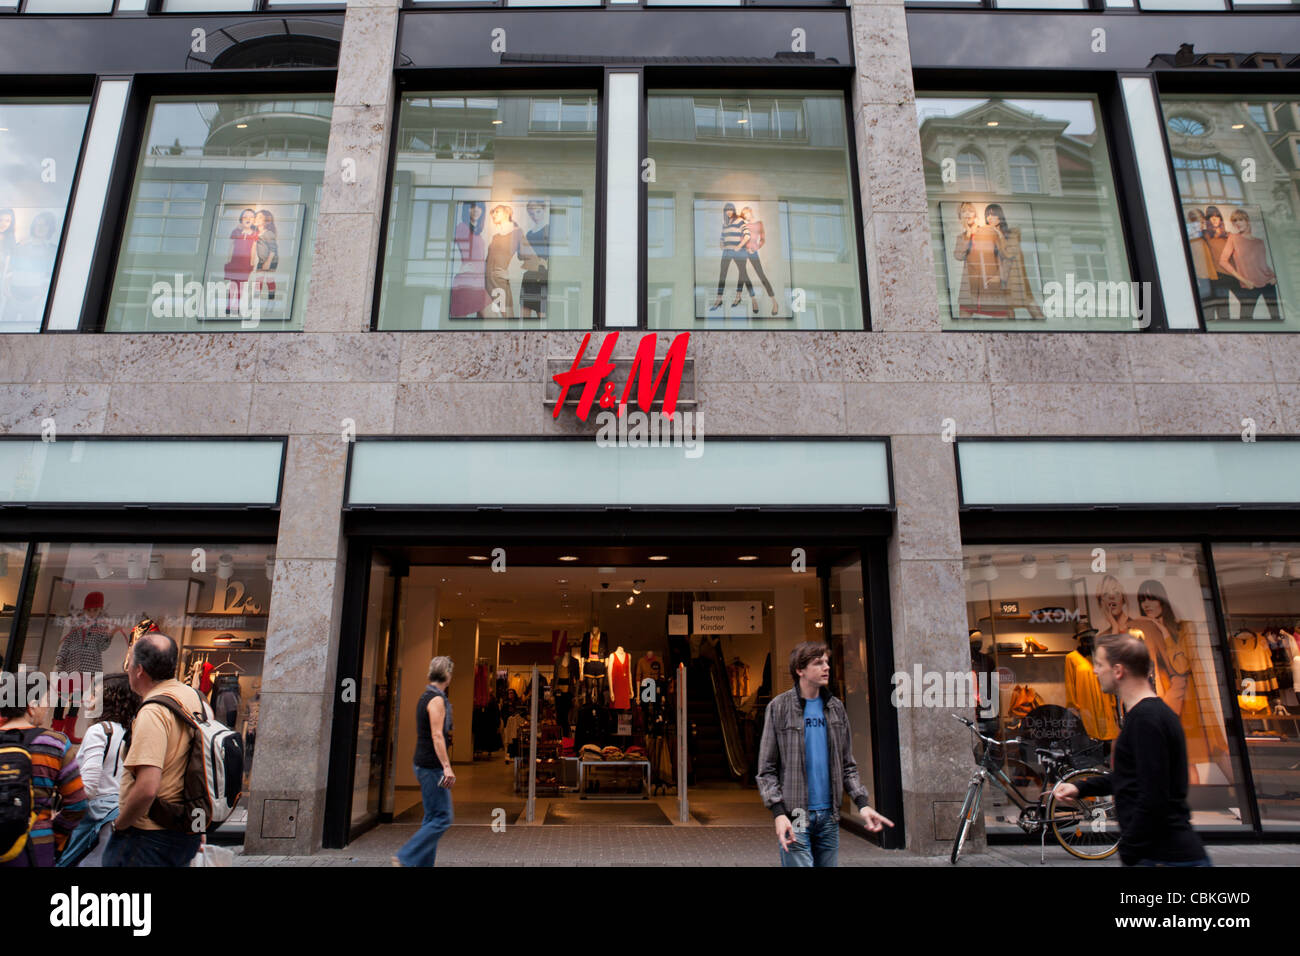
(586, 766)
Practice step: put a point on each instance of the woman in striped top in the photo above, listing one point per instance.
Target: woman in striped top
(734, 244)
(58, 798)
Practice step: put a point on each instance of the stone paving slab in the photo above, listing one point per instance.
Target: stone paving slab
(691, 846)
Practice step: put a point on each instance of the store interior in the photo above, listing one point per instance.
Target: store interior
(611, 645)
(1035, 617)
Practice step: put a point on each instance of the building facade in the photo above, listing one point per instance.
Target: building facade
(1002, 343)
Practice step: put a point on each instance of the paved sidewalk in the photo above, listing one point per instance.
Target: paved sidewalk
(719, 846)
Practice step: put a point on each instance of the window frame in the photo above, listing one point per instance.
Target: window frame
(832, 80)
(1113, 119)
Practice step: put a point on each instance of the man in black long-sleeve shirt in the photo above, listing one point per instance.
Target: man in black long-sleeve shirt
(1149, 773)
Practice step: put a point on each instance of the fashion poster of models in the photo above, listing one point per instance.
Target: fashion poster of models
(986, 246)
(501, 259)
(255, 249)
(742, 268)
(1235, 280)
(29, 240)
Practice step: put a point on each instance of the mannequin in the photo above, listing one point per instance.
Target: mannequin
(564, 682)
(1083, 693)
(620, 679)
(649, 666)
(593, 662)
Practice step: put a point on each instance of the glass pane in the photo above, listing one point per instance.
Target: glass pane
(68, 6)
(1235, 179)
(374, 698)
(200, 6)
(1042, 4)
(849, 666)
(40, 142)
(1181, 4)
(86, 598)
(491, 224)
(1259, 585)
(990, 216)
(239, 217)
(763, 182)
(1036, 614)
(12, 556)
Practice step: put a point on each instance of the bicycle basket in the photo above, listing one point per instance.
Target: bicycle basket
(993, 755)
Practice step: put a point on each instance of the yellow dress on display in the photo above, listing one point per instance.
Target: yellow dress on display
(1083, 695)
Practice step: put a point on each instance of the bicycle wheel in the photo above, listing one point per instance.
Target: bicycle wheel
(1089, 828)
(969, 810)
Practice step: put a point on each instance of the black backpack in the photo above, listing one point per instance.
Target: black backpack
(17, 802)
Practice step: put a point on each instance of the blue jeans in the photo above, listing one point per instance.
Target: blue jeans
(819, 842)
(134, 847)
(422, 849)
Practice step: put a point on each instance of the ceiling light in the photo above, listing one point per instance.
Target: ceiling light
(1029, 567)
(225, 567)
(241, 126)
(715, 580)
(568, 557)
(478, 557)
(1238, 125)
(442, 623)
(987, 571)
(817, 623)
(630, 600)
(748, 557)
(558, 580)
(1127, 566)
(100, 563)
(155, 567)
(1159, 564)
(992, 123)
(134, 566)
(647, 604)
(497, 122)
(637, 585)
(769, 607)
(1277, 565)
(1063, 570)
(658, 557)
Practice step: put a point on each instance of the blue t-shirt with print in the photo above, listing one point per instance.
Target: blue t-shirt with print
(814, 748)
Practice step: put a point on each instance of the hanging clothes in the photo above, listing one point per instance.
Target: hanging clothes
(1254, 663)
(225, 699)
(482, 684)
(594, 645)
(1084, 696)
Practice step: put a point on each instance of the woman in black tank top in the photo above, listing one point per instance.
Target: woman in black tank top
(433, 727)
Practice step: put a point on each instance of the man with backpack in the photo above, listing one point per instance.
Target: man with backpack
(154, 770)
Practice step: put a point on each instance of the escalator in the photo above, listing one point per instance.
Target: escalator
(718, 751)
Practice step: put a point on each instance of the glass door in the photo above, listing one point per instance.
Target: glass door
(846, 624)
(375, 696)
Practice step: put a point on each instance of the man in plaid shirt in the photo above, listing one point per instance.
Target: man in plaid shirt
(805, 764)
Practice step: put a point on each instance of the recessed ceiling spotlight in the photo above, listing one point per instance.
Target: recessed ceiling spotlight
(497, 122)
(748, 557)
(637, 585)
(478, 557)
(992, 123)
(241, 126)
(630, 600)
(559, 581)
(568, 557)
(1238, 125)
(658, 557)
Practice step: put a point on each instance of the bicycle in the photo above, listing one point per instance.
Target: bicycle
(1087, 829)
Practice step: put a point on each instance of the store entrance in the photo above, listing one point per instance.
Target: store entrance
(620, 652)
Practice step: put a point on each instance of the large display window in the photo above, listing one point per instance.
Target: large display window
(220, 228)
(1024, 217)
(212, 598)
(1036, 615)
(1236, 162)
(752, 222)
(40, 142)
(492, 220)
(1259, 586)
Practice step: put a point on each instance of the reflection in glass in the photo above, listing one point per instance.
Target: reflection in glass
(1259, 585)
(12, 557)
(1037, 614)
(1023, 215)
(490, 225)
(1235, 165)
(222, 218)
(40, 142)
(849, 665)
(87, 597)
(761, 215)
